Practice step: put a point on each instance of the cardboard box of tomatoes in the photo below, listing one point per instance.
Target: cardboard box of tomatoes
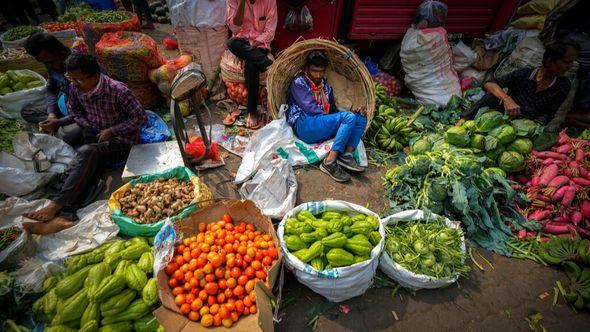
(225, 295)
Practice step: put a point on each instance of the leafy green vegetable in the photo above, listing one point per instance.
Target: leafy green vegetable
(9, 128)
(526, 128)
(482, 201)
(457, 136)
(504, 134)
(106, 16)
(488, 119)
(521, 145)
(430, 248)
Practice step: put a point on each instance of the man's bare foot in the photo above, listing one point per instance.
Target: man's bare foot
(45, 214)
(252, 121)
(49, 227)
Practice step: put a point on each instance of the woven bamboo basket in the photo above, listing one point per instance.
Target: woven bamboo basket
(352, 83)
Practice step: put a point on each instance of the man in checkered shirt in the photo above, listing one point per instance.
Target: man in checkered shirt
(109, 116)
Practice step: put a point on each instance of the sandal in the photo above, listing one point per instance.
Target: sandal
(231, 117)
(258, 123)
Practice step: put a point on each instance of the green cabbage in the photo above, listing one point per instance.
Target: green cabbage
(457, 136)
(478, 142)
(526, 128)
(490, 143)
(495, 170)
(493, 154)
(511, 161)
(438, 189)
(420, 146)
(469, 125)
(488, 119)
(521, 145)
(504, 134)
(421, 165)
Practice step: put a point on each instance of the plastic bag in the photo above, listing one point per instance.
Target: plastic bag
(434, 12)
(407, 278)
(12, 103)
(298, 19)
(20, 249)
(427, 60)
(196, 147)
(16, 176)
(164, 246)
(154, 130)
(276, 139)
(337, 284)
(273, 189)
(463, 57)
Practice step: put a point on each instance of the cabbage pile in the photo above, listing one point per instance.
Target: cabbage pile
(503, 143)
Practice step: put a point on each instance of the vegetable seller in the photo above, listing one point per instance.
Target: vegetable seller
(110, 117)
(253, 24)
(533, 93)
(54, 117)
(315, 118)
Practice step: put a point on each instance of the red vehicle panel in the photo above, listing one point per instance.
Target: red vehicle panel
(389, 19)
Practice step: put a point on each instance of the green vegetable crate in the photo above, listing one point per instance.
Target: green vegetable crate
(332, 247)
(404, 276)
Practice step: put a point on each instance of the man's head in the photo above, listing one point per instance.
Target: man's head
(559, 57)
(315, 66)
(83, 71)
(48, 50)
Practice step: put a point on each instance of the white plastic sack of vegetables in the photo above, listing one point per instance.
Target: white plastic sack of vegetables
(402, 275)
(336, 284)
(12, 103)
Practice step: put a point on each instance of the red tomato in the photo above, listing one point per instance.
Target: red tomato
(170, 268)
(211, 288)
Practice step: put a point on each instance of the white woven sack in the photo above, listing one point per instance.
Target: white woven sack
(400, 274)
(338, 284)
(427, 60)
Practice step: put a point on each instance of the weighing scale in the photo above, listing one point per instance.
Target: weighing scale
(190, 84)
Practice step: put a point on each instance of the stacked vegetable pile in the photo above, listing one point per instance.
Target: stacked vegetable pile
(108, 287)
(9, 128)
(57, 26)
(20, 32)
(106, 16)
(238, 92)
(392, 132)
(11, 81)
(75, 12)
(427, 247)
(150, 202)
(213, 273)
(557, 183)
(573, 254)
(504, 144)
(331, 240)
(454, 183)
(8, 235)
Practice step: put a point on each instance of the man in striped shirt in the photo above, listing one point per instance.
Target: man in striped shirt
(109, 116)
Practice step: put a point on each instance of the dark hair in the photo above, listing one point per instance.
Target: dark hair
(42, 41)
(556, 51)
(83, 62)
(317, 58)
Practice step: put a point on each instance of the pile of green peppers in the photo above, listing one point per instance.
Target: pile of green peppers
(106, 16)
(331, 240)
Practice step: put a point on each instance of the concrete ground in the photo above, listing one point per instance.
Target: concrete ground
(497, 299)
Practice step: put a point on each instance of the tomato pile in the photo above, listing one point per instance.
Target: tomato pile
(239, 93)
(213, 273)
(56, 26)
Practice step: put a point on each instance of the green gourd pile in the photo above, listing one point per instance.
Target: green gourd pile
(106, 289)
(331, 240)
(11, 81)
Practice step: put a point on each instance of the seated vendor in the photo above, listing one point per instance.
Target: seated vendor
(53, 118)
(314, 117)
(110, 117)
(532, 93)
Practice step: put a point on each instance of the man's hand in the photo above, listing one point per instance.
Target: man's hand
(105, 135)
(50, 125)
(512, 108)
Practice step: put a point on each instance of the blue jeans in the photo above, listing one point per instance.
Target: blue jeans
(345, 126)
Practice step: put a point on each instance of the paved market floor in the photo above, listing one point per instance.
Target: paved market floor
(496, 299)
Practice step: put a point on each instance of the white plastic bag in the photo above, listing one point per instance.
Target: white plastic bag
(400, 274)
(21, 248)
(164, 246)
(463, 57)
(17, 178)
(13, 103)
(273, 188)
(528, 53)
(275, 140)
(93, 229)
(338, 284)
(427, 61)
